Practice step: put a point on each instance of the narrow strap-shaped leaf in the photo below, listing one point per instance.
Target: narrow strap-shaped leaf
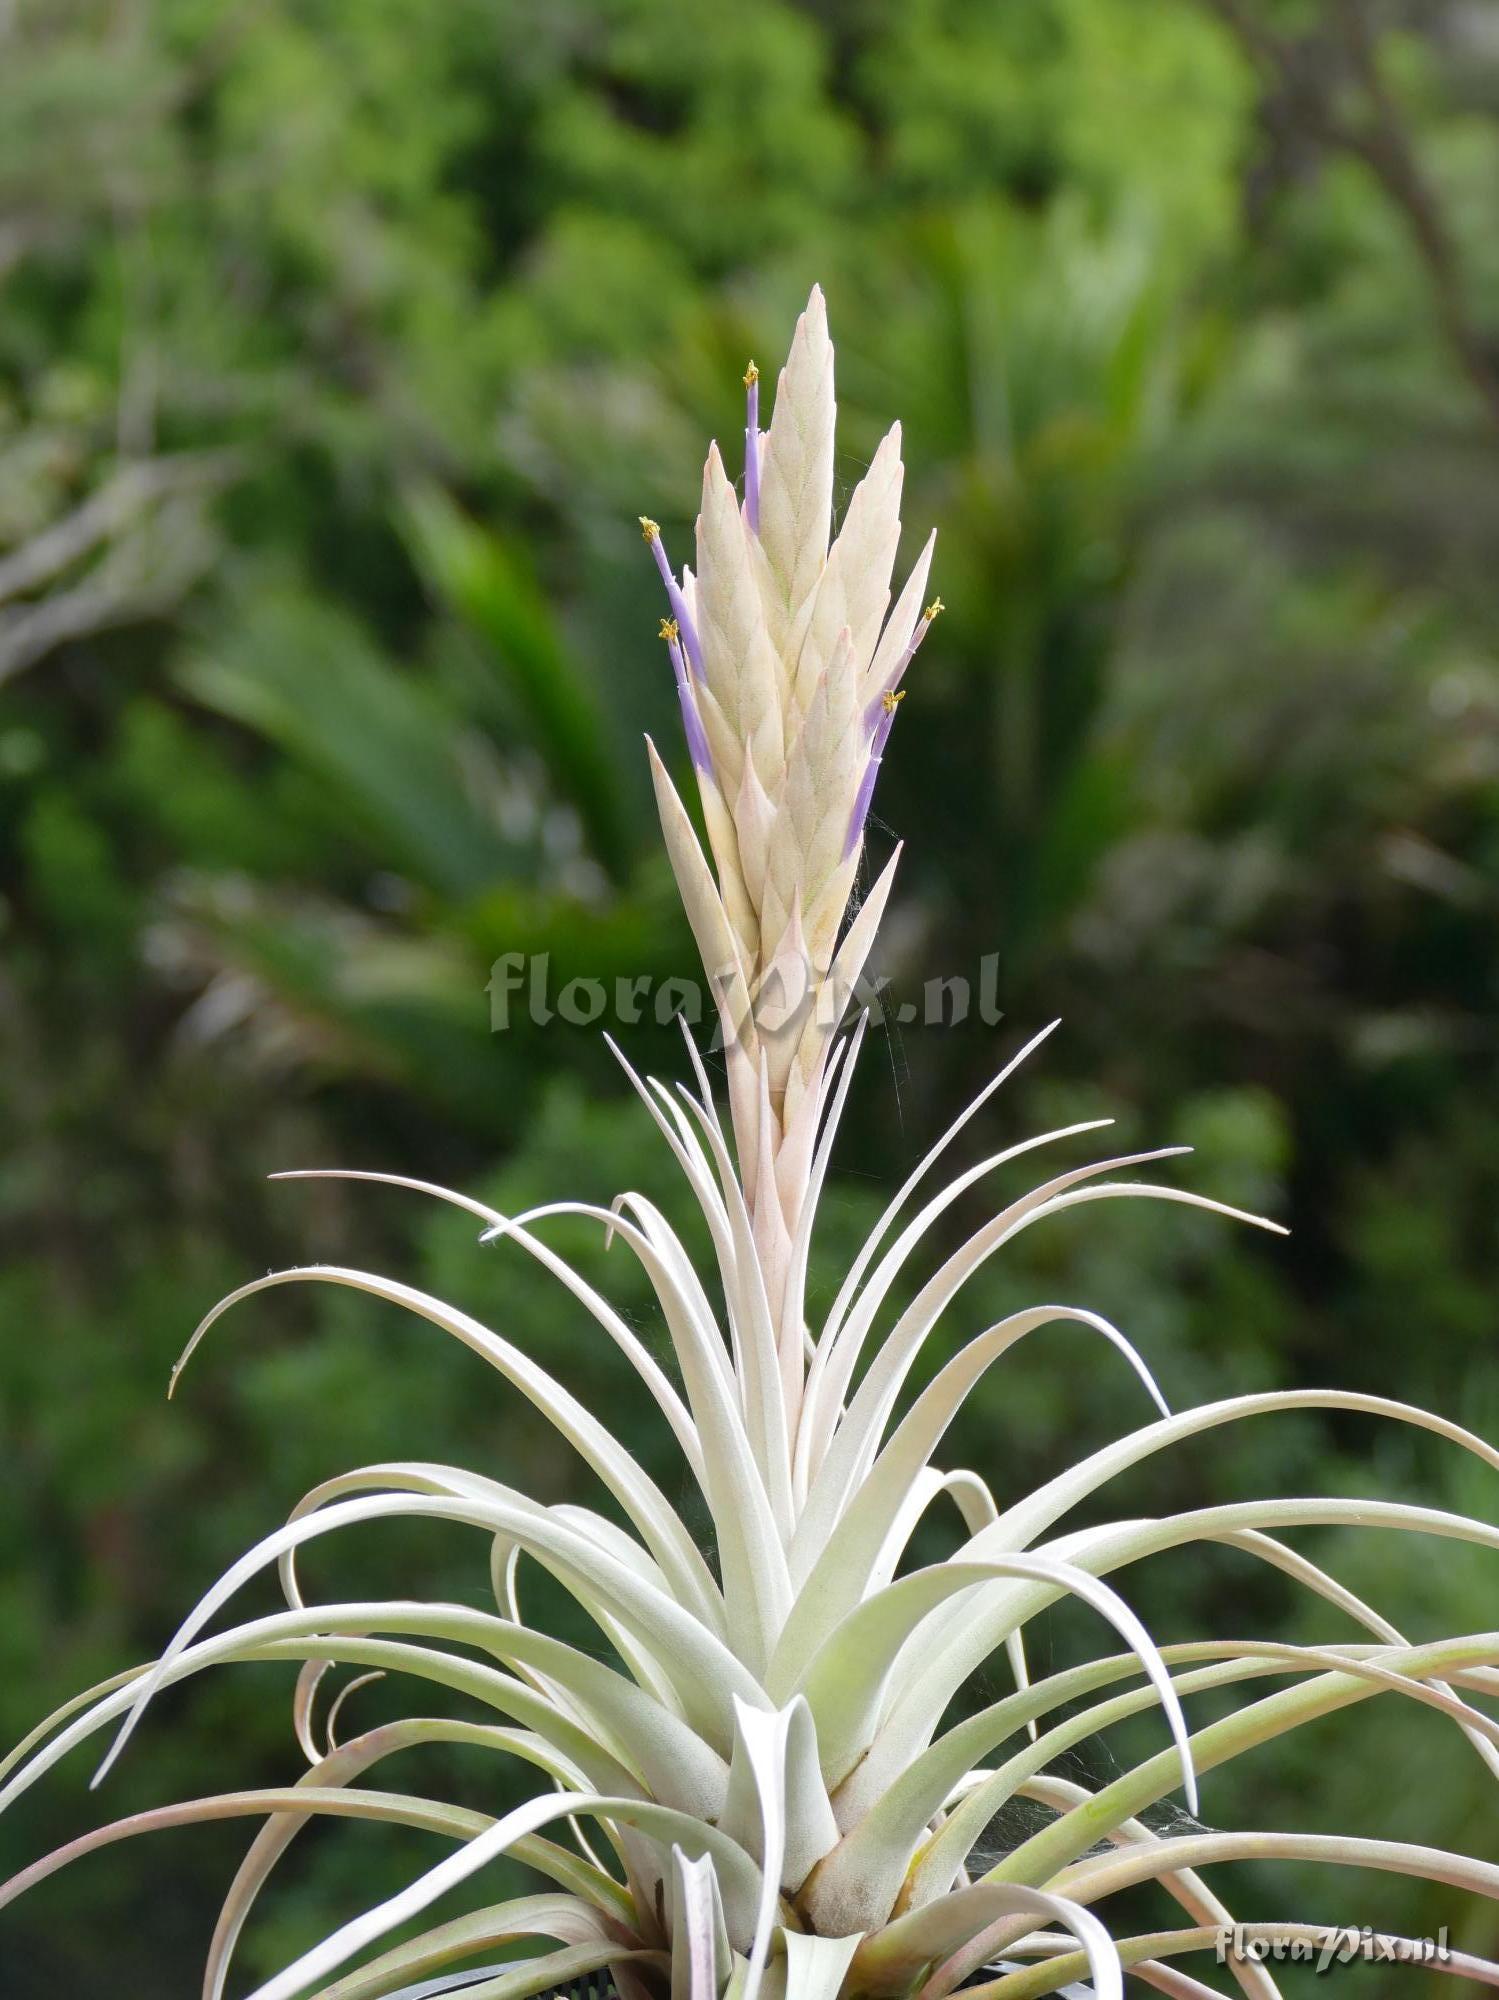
(810, 1828)
(679, 1767)
(862, 1426)
(760, 1740)
(422, 1477)
(950, 1846)
(566, 1919)
(894, 1793)
(840, 988)
(834, 1095)
(749, 1309)
(630, 1484)
(1412, 1953)
(341, 1768)
(426, 1815)
(669, 1247)
(1293, 1564)
(808, 1464)
(700, 1941)
(1105, 1876)
(636, 1353)
(1184, 1886)
(737, 1875)
(684, 1146)
(697, 1664)
(953, 1645)
(1037, 1512)
(757, 1593)
(843, 1571)
(553, 1970)
(874, 1858)
(849, 1341)
(36, 1737)
(844, 1682)
(1060, 1844)
(890, 1961)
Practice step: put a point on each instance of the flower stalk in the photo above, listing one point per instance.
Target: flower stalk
(799, 645)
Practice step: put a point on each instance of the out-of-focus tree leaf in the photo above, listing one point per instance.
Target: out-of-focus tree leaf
(428, 789)
(488, 586)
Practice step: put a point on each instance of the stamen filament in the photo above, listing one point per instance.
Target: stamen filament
(692, 724)
(884, 710)
(752, 448)
(652, 533)
(897, 672)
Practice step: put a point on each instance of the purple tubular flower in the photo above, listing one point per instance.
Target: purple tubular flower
(692, 725)
(885, 708)
(923, 626)
(752, 448)
(674, 597)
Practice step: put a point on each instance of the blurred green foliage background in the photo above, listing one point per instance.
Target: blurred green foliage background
(342, 344)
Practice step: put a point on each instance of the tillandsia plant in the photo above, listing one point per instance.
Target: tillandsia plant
(776, 1744)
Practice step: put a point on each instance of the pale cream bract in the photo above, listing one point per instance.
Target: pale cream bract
(793, 659)
(783, 1786)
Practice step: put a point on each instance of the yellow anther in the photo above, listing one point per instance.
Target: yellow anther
(670, 630)
(891, 700)
(751, 376)
(932, 609)
(649, 528)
